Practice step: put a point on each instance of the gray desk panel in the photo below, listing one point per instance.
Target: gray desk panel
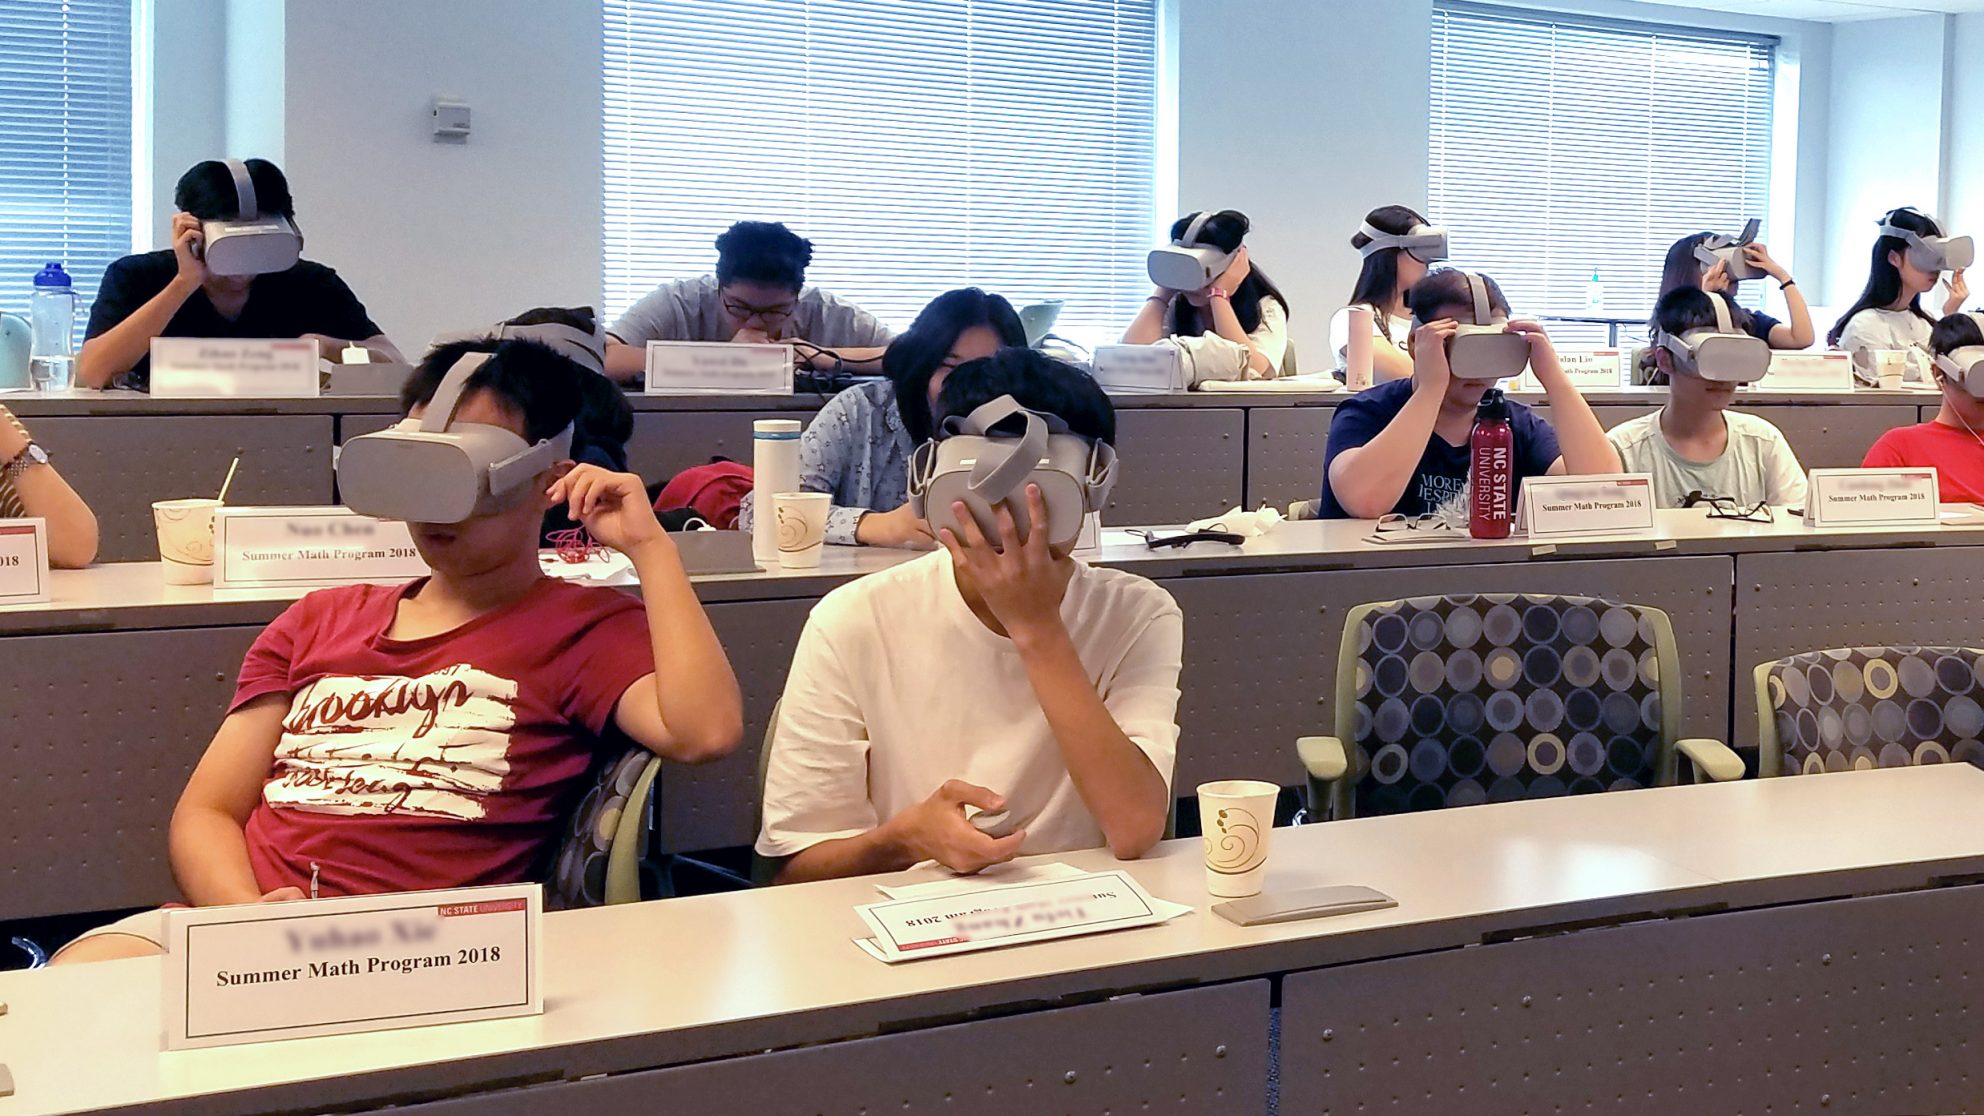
(1261, 649)
(1178, 465)
(1851, 1006)
(89, 793)
(120, 464)
(1837, 437)
(667, 442)
(1787, 604)
(1285, 454)
(351, 426)
(1200, 1050)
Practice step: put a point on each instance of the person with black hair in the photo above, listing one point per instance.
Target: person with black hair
(1952, 442)
(1383, 280)
(857, 448)
(435, 734)
(1402, 447)
(1888, 315)
(1696, 444)
(1241, 315)
(758, 294)
(170, 293)
(1683, 269)
(993, 677)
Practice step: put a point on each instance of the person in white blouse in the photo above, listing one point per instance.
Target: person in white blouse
(1242, 309)
(1390, 269)
(1909, 259)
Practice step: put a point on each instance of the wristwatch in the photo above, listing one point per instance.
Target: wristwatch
(23, 461)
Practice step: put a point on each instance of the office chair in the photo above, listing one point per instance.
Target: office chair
(1859, 708)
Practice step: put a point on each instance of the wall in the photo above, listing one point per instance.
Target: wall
(1964, 128)
(188, 110)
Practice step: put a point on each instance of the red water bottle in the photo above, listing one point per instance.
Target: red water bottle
(1491, 469)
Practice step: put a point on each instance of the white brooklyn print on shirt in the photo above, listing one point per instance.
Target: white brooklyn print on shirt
(432, 746)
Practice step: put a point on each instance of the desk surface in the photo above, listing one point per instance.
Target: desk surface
(662, 983)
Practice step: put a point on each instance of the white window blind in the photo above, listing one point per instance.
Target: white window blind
(920, 144)
(1563, 145)
(65, 142)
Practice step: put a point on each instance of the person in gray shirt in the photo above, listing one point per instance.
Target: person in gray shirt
(758, 294)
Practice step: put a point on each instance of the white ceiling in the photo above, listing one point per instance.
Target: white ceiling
(1834, 11)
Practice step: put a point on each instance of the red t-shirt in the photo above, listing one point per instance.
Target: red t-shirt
(406, 765)
(1956, 453)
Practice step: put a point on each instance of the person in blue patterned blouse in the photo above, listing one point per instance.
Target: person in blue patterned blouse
(857, 448)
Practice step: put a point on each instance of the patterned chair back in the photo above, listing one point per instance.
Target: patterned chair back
(606, 838)
(1858, 708)
(1459, 700)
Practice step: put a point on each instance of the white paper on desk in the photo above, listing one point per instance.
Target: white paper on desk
(1269, 387)
(603, 567)
(999, 875)
(996, 917)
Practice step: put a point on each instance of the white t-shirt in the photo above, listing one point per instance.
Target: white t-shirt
(692, 310)
(1873, 329)
(1212, 357)
(1340, 333)
(1758, 464)
(896, 687)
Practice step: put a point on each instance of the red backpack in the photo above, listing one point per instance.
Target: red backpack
(714, 491)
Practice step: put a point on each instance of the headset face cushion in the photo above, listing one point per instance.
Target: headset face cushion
(1487, 355)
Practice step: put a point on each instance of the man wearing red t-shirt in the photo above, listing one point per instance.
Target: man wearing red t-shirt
(431, 735)
(1953, 441)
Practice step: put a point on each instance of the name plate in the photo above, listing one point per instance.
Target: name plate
(267, 971)
(1612, 504)
(23, 561)
(264, 547)
(1134, 369)
(1593, 369)
(233, 368)
(1872, 498)
(1808, 372)
(718, 368)
(986, 918)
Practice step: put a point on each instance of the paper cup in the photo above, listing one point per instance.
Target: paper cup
(801, 519)
(1236, 816)
(1890, 367)
(186, 539)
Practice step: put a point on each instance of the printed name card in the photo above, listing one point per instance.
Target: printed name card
(265, 547)
(718, 368)
(1808, 372)
(1593, 369)
(1612, 504)
(1872, 498)
(267, 971)
(23, 561)
(990, 917)
(1130, 369)
(233, 368)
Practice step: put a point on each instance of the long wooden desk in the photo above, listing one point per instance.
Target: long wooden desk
(1718, 947)
(113, 689)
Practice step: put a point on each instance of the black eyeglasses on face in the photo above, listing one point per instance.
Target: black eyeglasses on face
(744, 311)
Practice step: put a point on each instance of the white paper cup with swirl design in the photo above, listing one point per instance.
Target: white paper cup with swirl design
(185, 539)
(1236, 816)
(800, 523)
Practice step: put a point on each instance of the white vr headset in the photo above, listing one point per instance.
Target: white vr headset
(1932, 253)
(1485, 350)
(1965, 366)
(1186, 265)
(250, 243)
(433, 469)
(973, 465)
(1424, 243)
(1724, 354)
(1728, 251)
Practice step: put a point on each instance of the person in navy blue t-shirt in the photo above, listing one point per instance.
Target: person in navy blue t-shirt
(1401, 447)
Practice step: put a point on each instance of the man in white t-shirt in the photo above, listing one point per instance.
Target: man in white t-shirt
(997, 677)
(1695, 443)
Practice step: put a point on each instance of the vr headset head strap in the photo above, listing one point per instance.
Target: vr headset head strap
(441, 409)
(1725, 322)
(245, 206)
(1483, 313)
(512, 471)
(1190, 237)
(588, 349)
(993, 479)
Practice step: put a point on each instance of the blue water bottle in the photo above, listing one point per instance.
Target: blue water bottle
(52, 310)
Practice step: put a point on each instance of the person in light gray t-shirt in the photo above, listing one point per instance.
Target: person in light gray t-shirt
(758, 294)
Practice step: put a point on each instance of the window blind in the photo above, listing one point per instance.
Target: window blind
(65, 142)
(920, 144)
(1564, 145)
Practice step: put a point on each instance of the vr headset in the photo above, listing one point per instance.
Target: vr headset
(588, 350)
(1965, 366)
(974, 464)
(433, 469)
(1728, 251)
(1723, 354)
(1485, 350)
(250, 244)
(1424, 243)
(1931, 253)
(1185, 265)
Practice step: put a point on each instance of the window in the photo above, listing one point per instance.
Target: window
(1563, 146)
(921, 146)
(65, 142)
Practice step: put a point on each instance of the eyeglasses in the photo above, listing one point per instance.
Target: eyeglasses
(1722, 507)
(1431, 521)
(745, 312)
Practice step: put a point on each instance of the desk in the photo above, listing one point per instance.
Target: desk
(1624, 883)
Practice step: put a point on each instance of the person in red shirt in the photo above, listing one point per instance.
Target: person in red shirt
(433, 734)
(1953, 441)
